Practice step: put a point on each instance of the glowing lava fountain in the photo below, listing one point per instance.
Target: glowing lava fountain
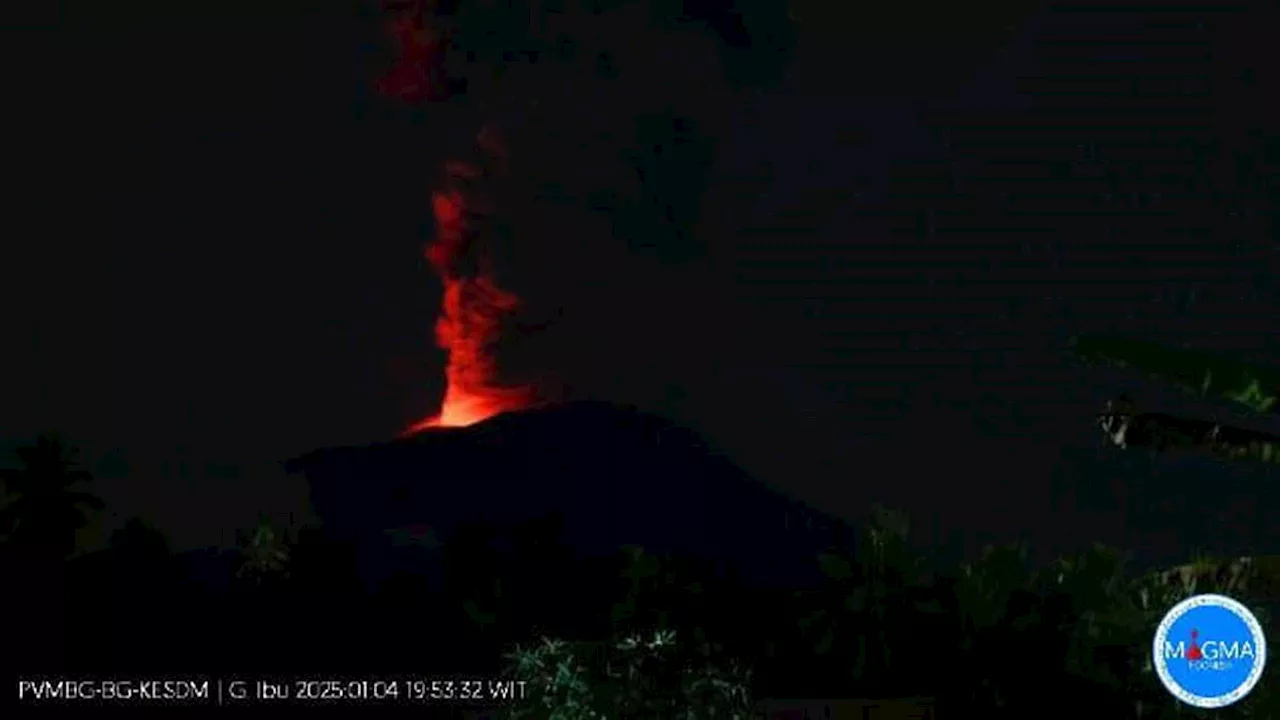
(474, 305)
(472, 313)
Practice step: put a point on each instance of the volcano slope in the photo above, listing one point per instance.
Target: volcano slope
(611, 476)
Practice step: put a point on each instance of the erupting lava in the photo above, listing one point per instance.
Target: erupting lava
(470, 321)
(474, 306)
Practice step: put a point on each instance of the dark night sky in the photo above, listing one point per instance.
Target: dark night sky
(235, 278)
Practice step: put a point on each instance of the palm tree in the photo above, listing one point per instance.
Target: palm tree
(45, 507)
(264, 553)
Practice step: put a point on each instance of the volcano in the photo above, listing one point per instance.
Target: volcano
(613, 476)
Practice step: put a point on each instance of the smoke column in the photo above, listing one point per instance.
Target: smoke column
(474, 307)
(473, 311)
(588, 166)
(415, 74)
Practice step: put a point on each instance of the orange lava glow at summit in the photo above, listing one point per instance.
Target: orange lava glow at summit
(474, 306)
(470, 323)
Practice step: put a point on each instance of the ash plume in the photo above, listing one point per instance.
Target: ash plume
(595, 151)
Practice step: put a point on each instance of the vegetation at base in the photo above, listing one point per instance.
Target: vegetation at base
(659, 675)
(640, 635)
(46, 500)
(994, 636)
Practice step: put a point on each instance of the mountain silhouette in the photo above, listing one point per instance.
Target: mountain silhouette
(614, 476)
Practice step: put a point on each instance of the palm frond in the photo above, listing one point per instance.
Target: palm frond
(1196, 372)
(1125, 427)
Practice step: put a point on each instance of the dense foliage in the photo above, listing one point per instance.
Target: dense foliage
(995, 636)
(639, 635)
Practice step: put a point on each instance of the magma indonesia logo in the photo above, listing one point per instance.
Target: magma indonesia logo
(1209, 651)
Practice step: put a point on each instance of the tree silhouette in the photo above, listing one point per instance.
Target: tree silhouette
(140, 542)
(46, 508)
(264, 553)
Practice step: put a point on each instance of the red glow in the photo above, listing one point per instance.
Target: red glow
(415, 74)
(474, 306)
(469, 325)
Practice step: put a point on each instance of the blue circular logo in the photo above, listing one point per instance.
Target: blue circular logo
(1209, 651)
